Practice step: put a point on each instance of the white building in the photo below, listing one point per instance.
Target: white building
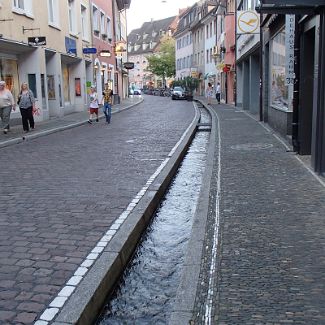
(184, 44)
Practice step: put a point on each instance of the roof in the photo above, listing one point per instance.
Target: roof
(150, 32)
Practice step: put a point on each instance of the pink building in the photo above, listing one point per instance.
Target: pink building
(230, 58)
(103, 41)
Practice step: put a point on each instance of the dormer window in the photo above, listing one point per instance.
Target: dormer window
(145, 35)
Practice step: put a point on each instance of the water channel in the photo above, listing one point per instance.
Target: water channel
(146, 290)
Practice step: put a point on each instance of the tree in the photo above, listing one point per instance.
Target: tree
(162, 63)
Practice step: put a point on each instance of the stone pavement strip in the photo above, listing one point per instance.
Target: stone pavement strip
(64, 195)
(270, 252)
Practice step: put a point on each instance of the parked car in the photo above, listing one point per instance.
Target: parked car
(135, 91)
(178, 93)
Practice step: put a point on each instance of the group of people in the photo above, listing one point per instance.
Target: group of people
(26, 103)
(107, 100)
(209, 92)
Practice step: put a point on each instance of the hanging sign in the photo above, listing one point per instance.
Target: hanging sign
(128, 65)
(37, 41)
(289, 48)
(248, 22)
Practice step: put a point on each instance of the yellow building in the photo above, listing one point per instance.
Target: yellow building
(42, 42)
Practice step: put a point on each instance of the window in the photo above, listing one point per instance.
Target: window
(19, 4)
(207, 56)
(72, 17)
(96, 20)
(102, 23)
(84, 22)
(207, 31)
(280, 93)
(53, 12)
(23, 7)
(109, 27)
(210, 29)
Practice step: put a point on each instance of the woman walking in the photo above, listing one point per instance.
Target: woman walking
(209, 93)
(26, 102)
(7, 103)
(93, 106)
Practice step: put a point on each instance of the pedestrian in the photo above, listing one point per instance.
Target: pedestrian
(107, 103)
(26, 103)
(218, 92)
(7, 103)
(93, 106)
(209, 92)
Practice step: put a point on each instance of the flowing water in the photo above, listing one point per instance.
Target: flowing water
(146, 290)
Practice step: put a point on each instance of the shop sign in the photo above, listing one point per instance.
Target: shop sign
(194, 73)
(120, 47)
(37, 41)
(289, 50)
(248, 22)
(89, 50)
(128, 65)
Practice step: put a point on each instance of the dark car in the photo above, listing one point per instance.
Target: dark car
(178, 93)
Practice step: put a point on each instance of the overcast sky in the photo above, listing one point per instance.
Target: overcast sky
(143, 10)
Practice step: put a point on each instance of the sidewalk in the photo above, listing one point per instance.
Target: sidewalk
(260, 259)
(57, 124)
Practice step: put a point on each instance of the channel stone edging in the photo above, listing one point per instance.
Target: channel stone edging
(87, 299)
(38, 134)
(184, 301)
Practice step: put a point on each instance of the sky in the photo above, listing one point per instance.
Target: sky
(143, 10)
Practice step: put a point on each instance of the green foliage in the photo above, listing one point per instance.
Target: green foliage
(188, 83)
(162, 63)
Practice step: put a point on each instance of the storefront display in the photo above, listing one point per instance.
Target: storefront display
(280, 92)
(9, 73)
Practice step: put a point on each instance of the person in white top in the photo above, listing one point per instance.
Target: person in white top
(7, 103)
(209, 93)
(218, 92)
(94, 105)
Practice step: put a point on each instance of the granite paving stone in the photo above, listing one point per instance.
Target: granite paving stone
(64, 190)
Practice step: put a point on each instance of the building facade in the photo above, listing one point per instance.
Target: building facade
(184, 44)
(293, 84)
(46, 44)
(248, 57)
(143, 42)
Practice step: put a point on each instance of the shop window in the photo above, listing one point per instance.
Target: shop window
(50, 87)
(9, 73)
(280, 93)
(32, 83)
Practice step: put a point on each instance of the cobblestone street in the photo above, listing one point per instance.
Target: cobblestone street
(60, 193)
